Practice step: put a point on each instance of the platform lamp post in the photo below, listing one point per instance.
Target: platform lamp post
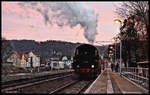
(119, 21)
(115, 39)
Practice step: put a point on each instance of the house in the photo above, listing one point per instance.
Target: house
(56, 63)
(23, 60)
(61, 64)
(27, 59)
(64, 59)
(13, 58)
(18, 59)
(33, 60)
(67, 61)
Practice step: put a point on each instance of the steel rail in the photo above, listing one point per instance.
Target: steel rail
(33, 83)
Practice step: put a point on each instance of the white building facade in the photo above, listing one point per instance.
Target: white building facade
(33, 60)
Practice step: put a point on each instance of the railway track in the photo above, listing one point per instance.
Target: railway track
(76, 87)
(19, 86)
(58, 85)
(22, 81)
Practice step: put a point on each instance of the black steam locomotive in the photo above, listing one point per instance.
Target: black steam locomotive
(87, 61)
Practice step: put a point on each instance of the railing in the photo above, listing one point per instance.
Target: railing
(137, 75)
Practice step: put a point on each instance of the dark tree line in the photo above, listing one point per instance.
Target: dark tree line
(6, 49)
(46, 49)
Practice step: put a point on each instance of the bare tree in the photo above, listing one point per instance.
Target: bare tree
(134, 27)
(138, 9)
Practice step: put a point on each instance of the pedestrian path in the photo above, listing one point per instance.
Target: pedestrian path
(112, 82)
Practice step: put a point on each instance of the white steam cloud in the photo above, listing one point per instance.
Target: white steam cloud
(67, 13)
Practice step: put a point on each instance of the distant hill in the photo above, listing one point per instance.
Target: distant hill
(6, 49)
(46, 49)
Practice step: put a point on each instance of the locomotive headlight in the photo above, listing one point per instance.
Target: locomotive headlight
(92, 66)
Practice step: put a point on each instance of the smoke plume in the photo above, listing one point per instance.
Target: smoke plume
(67, 13)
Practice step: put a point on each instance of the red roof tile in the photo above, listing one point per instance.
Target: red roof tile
(26, 56)
(19, 54)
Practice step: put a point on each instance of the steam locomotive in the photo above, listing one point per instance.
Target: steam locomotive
(87, 61)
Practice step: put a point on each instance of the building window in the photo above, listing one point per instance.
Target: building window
(55, 64)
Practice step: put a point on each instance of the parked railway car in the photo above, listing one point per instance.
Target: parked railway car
(55, 64)
(87, 61)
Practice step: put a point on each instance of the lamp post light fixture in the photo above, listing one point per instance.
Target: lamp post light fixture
(114, 39)
(119, 21)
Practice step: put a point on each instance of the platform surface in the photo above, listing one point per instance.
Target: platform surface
(112, 82)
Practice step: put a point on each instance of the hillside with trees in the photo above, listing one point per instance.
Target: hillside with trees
(46, 49)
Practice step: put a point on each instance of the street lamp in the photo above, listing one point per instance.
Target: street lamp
(115, 39)
(119, 21)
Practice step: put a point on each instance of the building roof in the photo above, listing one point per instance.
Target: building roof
(19, 54)
(26, 56)
(64, 58)
(68, 57)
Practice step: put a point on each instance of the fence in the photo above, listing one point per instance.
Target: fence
(138, 75)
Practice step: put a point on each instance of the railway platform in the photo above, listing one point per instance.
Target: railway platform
(112, 82)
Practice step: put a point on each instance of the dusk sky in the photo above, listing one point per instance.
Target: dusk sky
(21, 23)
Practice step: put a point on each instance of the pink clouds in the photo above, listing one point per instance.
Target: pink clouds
(105, 11)
(14, 8)
(107, 29)
(17, 25)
